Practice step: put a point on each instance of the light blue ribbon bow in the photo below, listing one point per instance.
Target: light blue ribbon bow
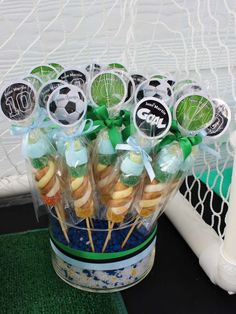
(39, 122)
(133, 146)
(84, 128)
(35, 150)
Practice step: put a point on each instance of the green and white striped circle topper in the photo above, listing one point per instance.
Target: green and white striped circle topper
(57, 67)
(194, 112)
(107, 88)
(44, 72)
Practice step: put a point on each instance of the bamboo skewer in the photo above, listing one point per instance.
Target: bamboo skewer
(91, 222)
(130, 231)
(140, 225)
(90, 234)
(111, 225)
(59, 211)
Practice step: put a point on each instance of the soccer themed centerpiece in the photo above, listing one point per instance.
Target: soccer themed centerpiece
(105, 150)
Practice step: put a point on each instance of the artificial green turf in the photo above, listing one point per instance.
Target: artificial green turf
(28, 283)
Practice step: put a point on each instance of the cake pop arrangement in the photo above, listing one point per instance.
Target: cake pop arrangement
(106, 149)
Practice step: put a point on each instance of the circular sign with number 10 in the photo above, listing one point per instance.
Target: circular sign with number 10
(18, 101)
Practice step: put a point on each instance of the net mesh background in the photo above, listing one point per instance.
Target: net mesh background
(186, 39)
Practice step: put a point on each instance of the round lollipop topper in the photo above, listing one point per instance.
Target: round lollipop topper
(221, 120)
(129, 83)
(181, 84)
(73, 77)
(18, 101)
(117, 66)
(33, 80)
(67, 105)
(46, 90)
(170, 81)
(138, 79)
(165, 78)
(159, 76)
(45, 73)
(57, 67)
(188, 89)
(93, 69)
(194, 112)
(154, 88)
(107, 88)
(152, 118)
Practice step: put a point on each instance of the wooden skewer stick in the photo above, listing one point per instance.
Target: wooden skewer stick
(140, 224)
(91, 222)
(111, 225)
(59, 211)
(90, 234)
(130, 231)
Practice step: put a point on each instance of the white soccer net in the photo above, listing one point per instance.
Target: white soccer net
(187, 39)
(211, 199)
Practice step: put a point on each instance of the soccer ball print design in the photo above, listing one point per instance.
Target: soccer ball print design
(138, 79)
(93, 69)
(154, 88)
(67, 105)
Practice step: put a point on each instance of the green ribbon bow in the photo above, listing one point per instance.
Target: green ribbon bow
(185, 142)
(101, 118)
